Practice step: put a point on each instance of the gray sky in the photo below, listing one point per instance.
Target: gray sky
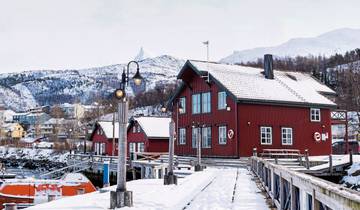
(59, 34)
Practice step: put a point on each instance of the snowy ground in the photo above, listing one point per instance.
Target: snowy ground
(214, 188)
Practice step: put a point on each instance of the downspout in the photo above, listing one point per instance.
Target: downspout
(237, 129)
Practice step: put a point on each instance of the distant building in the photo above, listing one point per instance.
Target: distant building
(12, 130)
(238, 108)
(145, 134)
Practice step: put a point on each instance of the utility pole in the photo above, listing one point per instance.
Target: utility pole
(113, 140)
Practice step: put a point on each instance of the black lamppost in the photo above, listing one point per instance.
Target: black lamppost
(121, 197)
(170, 177)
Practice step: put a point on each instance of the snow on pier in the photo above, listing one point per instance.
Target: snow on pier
(214, 188)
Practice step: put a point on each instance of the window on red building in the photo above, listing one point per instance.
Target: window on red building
(206, 102)
(182, 102)
(222, 134)
(222, 100)
(315, 115)
(287, 136)
(206, 137)
(140, 147)
(196, 103)
(194, 136)
(265, 135)
(182, 136)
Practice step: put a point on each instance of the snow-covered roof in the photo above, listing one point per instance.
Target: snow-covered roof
(250, 84)
(154, 126)
(28, 140)
(107, 127)
(9, 126)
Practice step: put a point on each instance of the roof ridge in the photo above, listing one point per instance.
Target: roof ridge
(290, 89)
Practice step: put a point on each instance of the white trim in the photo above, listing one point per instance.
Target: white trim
(265, 127)
(182, 141)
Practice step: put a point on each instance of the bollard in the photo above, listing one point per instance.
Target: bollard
(330, 164)
(351, 157)
(51, 197)
(106, 174)
(307, 163)
(10, 206)
(255, 151)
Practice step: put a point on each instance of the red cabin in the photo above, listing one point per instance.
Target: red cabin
(144, 134)
(238, 108)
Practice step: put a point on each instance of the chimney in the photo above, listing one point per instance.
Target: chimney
(268, 66)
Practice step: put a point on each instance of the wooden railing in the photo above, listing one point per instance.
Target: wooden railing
(291, 190)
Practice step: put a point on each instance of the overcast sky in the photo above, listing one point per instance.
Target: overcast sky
(59, 34)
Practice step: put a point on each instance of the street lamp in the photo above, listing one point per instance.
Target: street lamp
(198, 166)
(170, 178)
(121, 197)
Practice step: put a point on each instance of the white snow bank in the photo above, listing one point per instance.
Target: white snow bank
(33, 154)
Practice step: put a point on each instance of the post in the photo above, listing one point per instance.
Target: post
(113, 140)
(198, 166)
(350, 157)
(121, 197)
(170, 178)
(330, 164)
(307, 163)
(106, 174)
(255, 151)
(346, 134)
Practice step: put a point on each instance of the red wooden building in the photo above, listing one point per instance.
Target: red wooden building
(144, 134)
(239, 108)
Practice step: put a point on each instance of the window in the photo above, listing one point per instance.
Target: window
(265, 135)
(132, 147)
(196, 103)
(138, 128)
(206, 102)
(182, 102)
(182, 136)
(315, 115)
(286, 136)
(140, 147)
(206, 137)
(194, 137)
(134, 129)
(222, 135)
(222, 100)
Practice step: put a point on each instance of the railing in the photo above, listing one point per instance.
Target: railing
(291, 190)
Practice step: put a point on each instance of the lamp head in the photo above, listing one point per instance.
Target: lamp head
(137, 78)
(163, 108)
(119, 94)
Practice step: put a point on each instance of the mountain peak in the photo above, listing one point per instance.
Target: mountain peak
(142, 55)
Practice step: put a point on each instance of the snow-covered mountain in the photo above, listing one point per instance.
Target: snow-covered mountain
(337, 41)
(28, 89)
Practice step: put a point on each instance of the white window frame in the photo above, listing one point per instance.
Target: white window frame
(265, 130)
(222, 135)
(196, 103)
(194, 136)
(182, 101)
(206, 102)
(134, 129)
(222, 100)
(206, 137)
(182, 136)
(141, 147)
(138, 129)
(314, 114)
(287, 137)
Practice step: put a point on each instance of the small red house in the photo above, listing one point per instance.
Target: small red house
(144, 134)
(238, 108)
(148, 134)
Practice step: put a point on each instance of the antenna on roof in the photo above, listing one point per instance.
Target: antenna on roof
(207, 60)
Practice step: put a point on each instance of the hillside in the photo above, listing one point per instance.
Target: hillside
(20, 91)
(337, 41)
